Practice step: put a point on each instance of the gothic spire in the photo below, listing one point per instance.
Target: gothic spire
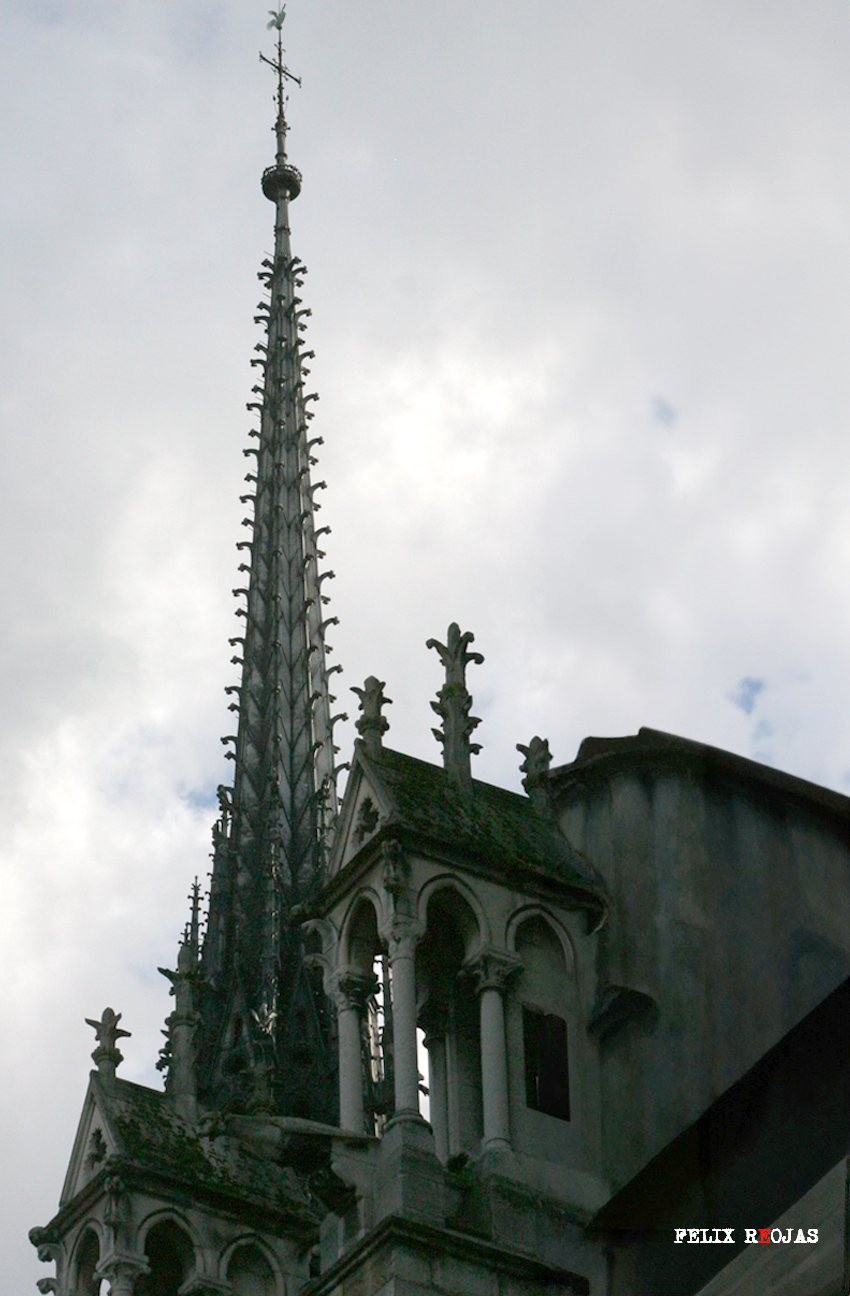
(261, 1013)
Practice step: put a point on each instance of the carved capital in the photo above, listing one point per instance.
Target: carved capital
(493, 969)
(121, 1269)
(352, 988)
(402, 943)
(434, 1020)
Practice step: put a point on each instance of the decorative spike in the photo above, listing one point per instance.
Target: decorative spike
(453, 705)
(372, 724)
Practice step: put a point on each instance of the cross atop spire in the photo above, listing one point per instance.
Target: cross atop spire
(283, 75)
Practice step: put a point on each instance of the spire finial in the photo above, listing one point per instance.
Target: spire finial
(193, 931)
(453, 703)
(371, 724)
(283, 75)
(107, 1056)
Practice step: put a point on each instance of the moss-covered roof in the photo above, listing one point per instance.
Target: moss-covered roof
(152, 1138)
(495, 827)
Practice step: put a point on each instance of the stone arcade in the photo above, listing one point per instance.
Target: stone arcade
(632, 982)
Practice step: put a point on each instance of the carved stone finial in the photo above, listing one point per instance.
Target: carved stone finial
(179, 1057)
(193, 933)
(453, 705)
(535, 767)
(371, 724)
(107, 1056)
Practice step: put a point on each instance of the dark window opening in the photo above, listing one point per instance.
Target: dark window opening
(547, 1078)
(171, 1257)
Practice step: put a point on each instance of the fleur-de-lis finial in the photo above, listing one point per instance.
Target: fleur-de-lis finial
(453, 705)
(371, 724)
(107, 1056)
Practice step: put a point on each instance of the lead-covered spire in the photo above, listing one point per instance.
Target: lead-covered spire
(265, 1036)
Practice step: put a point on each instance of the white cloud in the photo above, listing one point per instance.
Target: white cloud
(526, 227)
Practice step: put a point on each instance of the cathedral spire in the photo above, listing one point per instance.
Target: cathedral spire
(260, 1011)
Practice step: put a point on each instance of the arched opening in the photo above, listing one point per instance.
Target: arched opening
(366, 954)
(86, 1262)
(171, 1257)
(546, 994)
(449, 1015)
(250, 1273)
(363, 940)
(539, 947)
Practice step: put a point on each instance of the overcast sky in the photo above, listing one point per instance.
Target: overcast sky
(580, 281)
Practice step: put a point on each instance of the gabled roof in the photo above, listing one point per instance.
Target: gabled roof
(494, 829)
(600, 757)
(146, 1139)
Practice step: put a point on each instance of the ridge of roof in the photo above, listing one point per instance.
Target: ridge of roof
(597, 754)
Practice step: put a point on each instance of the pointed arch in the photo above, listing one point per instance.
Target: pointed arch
(251, 1268)
(531, 913)
(171, 1254)
(454, 896)
(84, 1262)
(360, 940)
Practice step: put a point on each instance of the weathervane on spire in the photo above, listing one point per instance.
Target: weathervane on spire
(283, 74)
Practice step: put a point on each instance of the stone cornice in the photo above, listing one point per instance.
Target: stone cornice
(433, 1241)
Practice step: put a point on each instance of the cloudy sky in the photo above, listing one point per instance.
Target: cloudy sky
(580, 280)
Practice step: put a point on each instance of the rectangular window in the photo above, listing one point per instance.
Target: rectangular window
(547, 1080)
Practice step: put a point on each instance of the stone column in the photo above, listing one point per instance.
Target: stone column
(493, 969)
(434, 1019)
(402, 950)
(402, 932)
(353, 988)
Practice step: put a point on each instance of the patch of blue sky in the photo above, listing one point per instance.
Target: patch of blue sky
(664, 412)
(201, 798)
(746, 693)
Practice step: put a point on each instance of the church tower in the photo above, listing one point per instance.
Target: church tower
(609, 1064)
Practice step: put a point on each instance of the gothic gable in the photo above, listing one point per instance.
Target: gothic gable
(366, 808)
(95, 1141)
